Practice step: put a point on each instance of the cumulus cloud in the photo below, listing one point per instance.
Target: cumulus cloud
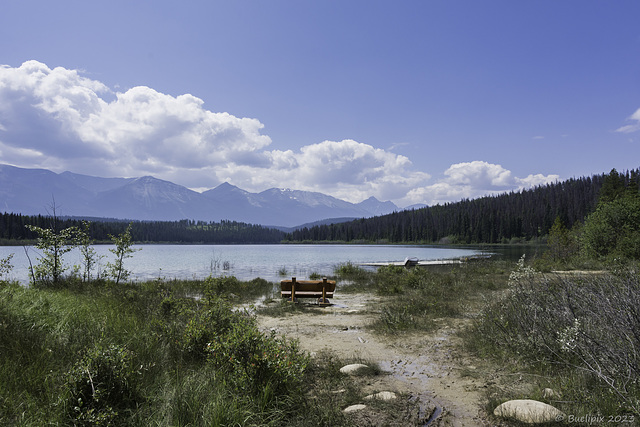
(60, 120)
(346, 169)
(633, 127)
(474, 179)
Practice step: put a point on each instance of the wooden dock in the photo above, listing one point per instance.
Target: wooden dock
(419, 263)
(426, 263)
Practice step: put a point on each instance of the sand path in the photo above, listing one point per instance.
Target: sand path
(429, 367)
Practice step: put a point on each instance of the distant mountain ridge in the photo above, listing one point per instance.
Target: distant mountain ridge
(33, 191)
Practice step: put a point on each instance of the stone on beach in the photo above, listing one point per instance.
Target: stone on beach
(529, 411)
(383, 395)
(353, 368)
(354, 408)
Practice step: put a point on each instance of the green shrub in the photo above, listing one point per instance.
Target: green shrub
(256, 362)
(613, 230)
(207, 325)
(102, 387)
(350, 271)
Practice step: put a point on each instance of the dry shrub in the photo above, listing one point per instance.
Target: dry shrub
(587, 323)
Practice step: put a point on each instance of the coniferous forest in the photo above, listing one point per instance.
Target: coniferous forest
(13, 228)
(516, 216)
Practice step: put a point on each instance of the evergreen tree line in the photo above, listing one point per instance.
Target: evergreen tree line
(13, 227)
(524, 215)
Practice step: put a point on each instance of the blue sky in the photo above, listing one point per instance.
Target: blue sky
(411, 101)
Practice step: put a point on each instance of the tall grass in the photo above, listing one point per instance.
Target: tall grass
(163, 353)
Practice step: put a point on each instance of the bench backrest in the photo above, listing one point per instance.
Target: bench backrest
(308, 285)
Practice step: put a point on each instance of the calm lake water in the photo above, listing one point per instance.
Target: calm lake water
(243, 261)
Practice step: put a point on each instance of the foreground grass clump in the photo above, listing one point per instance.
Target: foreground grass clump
(579, 334)
(165, 353)
(415, 297)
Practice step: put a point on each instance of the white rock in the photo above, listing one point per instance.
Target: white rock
(529, 411)
(383, 395)
(354, 408)
(353, 368)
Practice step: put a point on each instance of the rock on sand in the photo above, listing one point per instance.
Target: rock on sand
(383, 395)
(352, 369)
(529, 411)
(354, 408)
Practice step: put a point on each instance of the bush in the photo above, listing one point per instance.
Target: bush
(350, 271)
(207, 325)
(102, 386)
(257, 363)
(613, 230)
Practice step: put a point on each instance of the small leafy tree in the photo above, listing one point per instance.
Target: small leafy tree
(5, 266)
(562, 244)
(122, 251)
(613, 230)
(89, 256)
(53, 244)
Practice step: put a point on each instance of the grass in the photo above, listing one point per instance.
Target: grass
(147, 353)
(176, 353)
(416, 297)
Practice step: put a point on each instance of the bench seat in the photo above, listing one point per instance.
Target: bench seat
(321, 289)
(306, 294)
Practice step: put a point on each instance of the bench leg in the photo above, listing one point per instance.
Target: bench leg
(323, 302)
(293, 298)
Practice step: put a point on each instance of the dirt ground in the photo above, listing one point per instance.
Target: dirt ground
(429, 367)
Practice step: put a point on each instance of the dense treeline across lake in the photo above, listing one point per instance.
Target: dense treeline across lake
(13, 228)
(526, 215)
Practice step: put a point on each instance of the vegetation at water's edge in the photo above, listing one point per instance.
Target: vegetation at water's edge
(155, 353)
(417, 297)
(77, 349)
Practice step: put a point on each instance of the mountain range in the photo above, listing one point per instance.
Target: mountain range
(36, 191)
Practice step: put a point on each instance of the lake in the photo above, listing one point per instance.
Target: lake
(243, 261)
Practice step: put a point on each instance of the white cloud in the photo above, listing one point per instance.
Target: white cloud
(64, 117)
(346, 169)
(59, 120)
(634, 127)
(471, 180)
(536, 180)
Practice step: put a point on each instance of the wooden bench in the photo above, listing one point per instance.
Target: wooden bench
(320, 289)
